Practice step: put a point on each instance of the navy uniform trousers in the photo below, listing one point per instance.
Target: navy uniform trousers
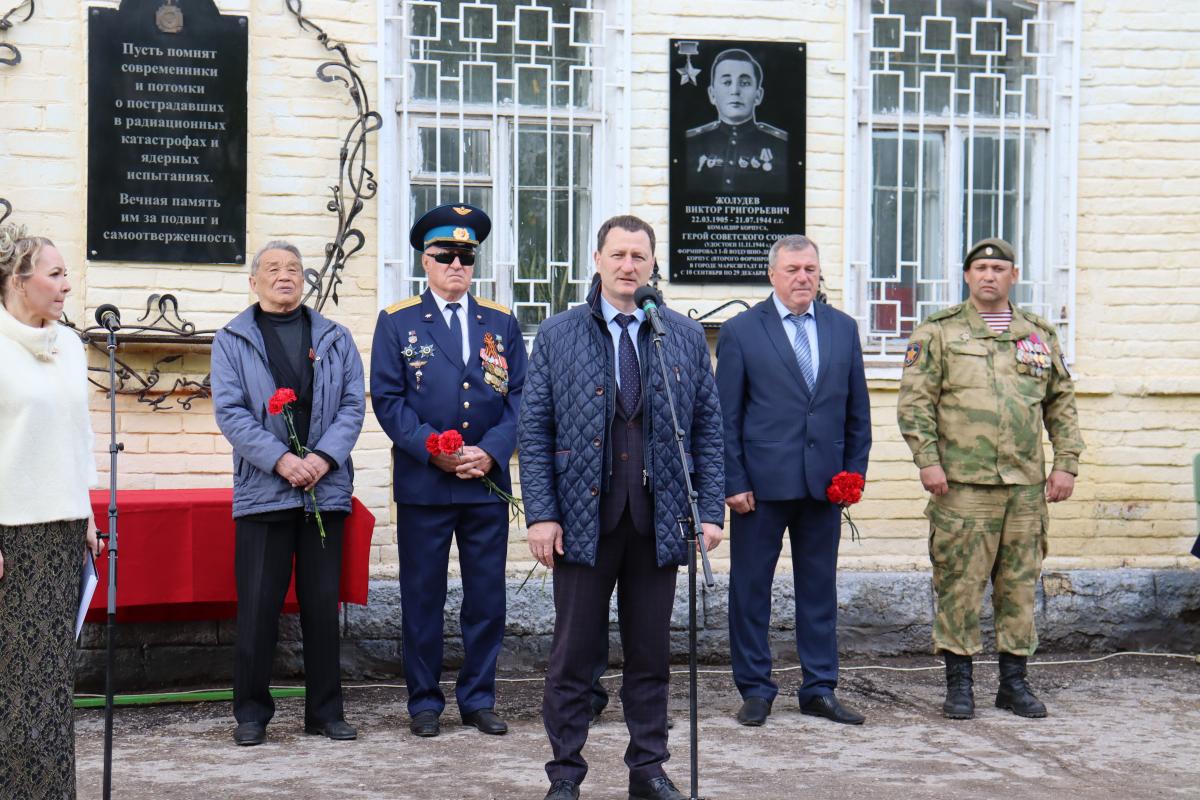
(423, 535)
(755, 542)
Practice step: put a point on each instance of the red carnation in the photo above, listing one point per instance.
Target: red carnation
(279, 400)
(451, 442)
(434, 444)
(845, 490)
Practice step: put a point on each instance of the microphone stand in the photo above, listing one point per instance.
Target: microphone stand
(693, 535)
(113, 448)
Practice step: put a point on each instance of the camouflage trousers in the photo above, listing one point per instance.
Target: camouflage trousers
(977, 532)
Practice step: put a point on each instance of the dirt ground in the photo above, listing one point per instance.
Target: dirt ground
(1122, 728)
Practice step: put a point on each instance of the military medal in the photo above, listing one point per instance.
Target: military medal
(412, 337)
(495, 366)
(1033, 356)
(417, 356)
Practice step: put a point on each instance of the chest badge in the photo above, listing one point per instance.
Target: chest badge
(417, 356)
(1033, 355)
(495, 366)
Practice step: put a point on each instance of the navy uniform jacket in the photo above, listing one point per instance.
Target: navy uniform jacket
(751, 157)
(418, 387)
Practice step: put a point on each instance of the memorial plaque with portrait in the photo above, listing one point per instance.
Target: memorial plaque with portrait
(167, 133)
(736, 156)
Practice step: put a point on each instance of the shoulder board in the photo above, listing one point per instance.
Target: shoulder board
(771, 130)
(946, 313)
(712, 126)
(493, 305)
(1034, 319)
(409, 303)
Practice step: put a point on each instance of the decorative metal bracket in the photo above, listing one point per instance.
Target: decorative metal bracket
(9, 54)
(166, 326)
(694, 314)
(352, 167)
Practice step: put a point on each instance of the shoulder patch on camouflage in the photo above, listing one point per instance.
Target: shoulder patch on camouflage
(912, 353)
(493, 305)
(409, 303)
(712, 126)
(771, 130)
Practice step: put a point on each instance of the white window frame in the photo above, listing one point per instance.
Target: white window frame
(1054, 209)
(399, 143)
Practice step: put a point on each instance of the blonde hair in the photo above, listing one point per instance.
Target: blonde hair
(18, 254)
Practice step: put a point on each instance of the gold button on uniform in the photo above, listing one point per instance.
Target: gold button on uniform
(466, 404)
(466, 385)
(466, 424)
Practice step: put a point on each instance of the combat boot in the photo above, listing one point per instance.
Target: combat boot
(1014, 693)
(960, 695)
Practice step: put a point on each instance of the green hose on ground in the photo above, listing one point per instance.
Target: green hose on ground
(159, 698)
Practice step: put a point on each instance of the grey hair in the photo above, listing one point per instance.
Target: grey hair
(278, 244)
(795, 241)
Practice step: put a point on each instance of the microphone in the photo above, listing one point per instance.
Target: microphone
(648, 299)
(108, 317)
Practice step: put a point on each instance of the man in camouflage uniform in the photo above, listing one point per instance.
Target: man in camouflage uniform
(972, 404)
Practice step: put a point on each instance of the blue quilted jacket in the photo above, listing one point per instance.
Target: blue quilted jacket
(566, 415)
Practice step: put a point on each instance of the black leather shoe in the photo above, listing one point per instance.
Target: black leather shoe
(1014, 693)
(563, 790)
(657, 789)
(249, 734)
(487, 721)
(339, 730)
(595, 720)
(754, 711)
(827, 706)
(425, 723)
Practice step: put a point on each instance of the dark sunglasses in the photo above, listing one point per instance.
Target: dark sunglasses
(467, 259)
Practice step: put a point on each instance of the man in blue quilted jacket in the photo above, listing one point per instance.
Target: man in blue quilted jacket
(604, 494)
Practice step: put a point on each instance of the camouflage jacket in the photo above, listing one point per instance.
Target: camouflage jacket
(974, 401)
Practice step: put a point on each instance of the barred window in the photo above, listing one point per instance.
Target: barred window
(517, 107)
(965, 120)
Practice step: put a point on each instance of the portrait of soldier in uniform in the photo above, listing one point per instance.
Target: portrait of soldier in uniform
(735, 152)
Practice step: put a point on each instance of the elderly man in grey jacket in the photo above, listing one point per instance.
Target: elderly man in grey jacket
(280, 343)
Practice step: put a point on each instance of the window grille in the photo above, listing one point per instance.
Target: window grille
(521, 108)
(962, 124)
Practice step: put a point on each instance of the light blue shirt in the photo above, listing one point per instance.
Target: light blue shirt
(809, 322)
(614, 330)
(462, 319)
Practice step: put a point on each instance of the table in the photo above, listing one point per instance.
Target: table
(175, 559)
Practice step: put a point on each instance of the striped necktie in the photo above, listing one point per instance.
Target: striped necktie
(801, 347)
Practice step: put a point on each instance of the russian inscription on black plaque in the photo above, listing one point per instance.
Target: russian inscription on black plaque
(737, 144)
(167, 133)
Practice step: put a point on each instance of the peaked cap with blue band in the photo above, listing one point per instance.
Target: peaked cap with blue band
(451, 225)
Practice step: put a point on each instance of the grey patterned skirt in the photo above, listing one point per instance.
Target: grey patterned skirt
(39, 595)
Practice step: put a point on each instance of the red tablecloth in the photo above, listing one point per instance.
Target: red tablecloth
(175, 557)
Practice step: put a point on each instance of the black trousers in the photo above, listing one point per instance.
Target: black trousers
(645, 596)
(263, 568)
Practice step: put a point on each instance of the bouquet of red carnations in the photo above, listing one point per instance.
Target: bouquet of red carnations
(845, 490)
(281, 403)
(450, 443)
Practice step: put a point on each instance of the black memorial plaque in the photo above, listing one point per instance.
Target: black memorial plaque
(167, 133)
(737, 143)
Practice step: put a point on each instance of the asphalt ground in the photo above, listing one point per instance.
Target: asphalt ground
(1125, 727)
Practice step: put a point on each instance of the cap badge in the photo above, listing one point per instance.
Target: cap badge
(461, 234)
(987, 251)
(461, 211)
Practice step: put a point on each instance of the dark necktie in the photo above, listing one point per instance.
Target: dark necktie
(456, 333)
(631, 374)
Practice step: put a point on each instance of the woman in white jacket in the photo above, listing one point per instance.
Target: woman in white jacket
(46, 467)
